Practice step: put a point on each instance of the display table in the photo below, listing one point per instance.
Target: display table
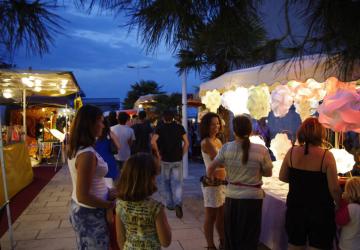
(273, 233)
(18, 170)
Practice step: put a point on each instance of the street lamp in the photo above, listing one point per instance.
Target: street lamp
(138, 67)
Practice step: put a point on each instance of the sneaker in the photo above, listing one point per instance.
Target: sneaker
(178, 211)
(170, 208)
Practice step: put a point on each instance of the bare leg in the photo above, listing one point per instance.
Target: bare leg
(210, 217)
(220, 224)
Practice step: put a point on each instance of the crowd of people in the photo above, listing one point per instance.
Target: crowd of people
(103, 149)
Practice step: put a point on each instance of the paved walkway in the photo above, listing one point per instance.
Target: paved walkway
(45, 224)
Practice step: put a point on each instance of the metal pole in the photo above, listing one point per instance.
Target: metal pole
(184, 122)
(7, 202)
(24, 114)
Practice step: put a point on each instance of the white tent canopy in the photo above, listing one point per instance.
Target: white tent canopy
(313, 66)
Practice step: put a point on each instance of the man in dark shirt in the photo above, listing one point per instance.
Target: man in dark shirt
(170, 143)
(143, 132)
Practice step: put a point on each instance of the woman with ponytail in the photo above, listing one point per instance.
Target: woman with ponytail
(311, 173)
(245, 163)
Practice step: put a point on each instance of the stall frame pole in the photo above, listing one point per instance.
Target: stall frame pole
(184, 122)
(6, 196)
(24, 114)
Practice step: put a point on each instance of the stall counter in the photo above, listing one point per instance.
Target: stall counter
(18, 169)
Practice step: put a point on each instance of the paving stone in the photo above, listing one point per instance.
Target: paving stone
(57, 204)
(186, 234)
(56, 233)
(33, 217)
(193, 244)
(47, 210)
(175, 245)
(34, 225)
(59, 216)
(21, 234)
(5, 244)
(45, 198)
(47, 244)
(65, 224)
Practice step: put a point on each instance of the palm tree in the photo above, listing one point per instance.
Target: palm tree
(208, 35)
(195, 30)
(168, 102)
(139, 89)
(232, 40)
(30, 24)
(332, 28)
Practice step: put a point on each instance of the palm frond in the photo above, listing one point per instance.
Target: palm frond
(29, 24)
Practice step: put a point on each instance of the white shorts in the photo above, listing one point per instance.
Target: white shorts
(213, 196)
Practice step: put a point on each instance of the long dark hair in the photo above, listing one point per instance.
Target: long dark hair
(206, 123)
(242, 128)
(137, 182)
(82, 129)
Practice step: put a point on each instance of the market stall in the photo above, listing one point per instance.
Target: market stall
(17, 86)
(310, 88)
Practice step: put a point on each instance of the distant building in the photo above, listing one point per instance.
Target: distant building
(105, 104)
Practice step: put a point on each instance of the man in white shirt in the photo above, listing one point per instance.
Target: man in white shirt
(125, 136)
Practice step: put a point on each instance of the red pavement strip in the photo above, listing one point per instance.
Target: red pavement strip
(42, 176)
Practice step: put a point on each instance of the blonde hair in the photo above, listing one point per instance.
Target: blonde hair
(352, 190)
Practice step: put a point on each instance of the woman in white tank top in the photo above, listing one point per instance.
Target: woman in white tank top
(90, 196)
(214, 196)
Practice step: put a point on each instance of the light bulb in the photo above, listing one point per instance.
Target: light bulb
(7, 93)
(37, 89)
(38, 82)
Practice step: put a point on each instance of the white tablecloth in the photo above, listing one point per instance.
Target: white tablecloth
(273, 233)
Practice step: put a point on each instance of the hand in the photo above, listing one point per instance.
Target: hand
(110, 215)
(112, 194)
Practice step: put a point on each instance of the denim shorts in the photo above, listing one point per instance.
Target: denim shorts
(90, 227)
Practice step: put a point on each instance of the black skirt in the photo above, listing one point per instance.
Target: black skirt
(242, 223)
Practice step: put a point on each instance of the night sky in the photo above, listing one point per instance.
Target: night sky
(98, 51)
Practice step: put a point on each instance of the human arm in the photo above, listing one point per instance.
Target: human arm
(114, 140)
(332, 177)
(154, 145)
(131, 138)
(185, 146)
(208, 148)
(120, 231)
(266, 165)
(212, 167)
(163, 228)
(218, 161)
(85, 167)
(284, 170)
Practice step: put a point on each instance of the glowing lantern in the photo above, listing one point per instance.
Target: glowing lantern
(341, 111)
(236, 101)
(344, 160)
(259, 102)
(212, 100)
(280, 145)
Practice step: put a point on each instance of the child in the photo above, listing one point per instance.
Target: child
(348, 215)
(141, 222)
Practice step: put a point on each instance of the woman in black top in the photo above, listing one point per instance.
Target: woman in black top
(311, 173)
